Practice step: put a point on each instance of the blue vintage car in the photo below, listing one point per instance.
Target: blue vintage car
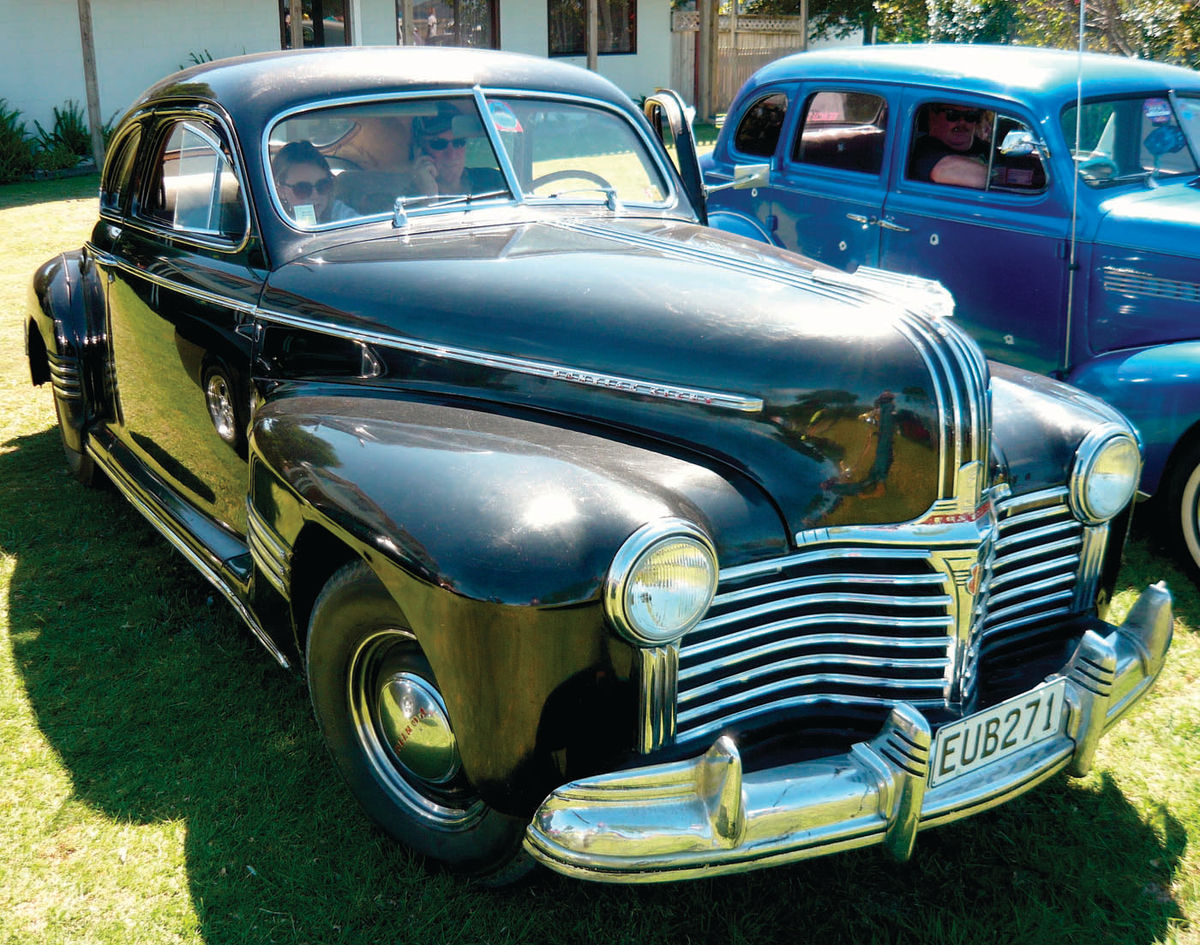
(1063, 216)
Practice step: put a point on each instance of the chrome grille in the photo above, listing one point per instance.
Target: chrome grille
(1036, 571)
(867, 625)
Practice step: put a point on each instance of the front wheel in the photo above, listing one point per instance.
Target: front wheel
(383, 717)
(1183, 505)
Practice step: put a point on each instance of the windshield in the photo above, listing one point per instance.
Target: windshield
(349, 163)
(1131, 138)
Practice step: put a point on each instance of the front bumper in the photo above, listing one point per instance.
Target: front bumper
(704, 816)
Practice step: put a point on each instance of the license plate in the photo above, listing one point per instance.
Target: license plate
(999, 732)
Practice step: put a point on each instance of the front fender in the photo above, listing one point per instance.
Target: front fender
(740, 225)
(494, 533)
(1157, 388)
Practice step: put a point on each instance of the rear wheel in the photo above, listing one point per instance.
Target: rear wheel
(383, 717)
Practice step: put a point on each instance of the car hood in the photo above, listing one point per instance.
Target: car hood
(1162, 220)
(842, 405)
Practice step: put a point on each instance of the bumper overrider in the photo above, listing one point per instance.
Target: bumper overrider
(705, 816)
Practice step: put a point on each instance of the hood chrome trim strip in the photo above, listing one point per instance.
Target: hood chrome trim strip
(556, 372)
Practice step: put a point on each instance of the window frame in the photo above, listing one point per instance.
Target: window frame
(795, 156)
(216, 135)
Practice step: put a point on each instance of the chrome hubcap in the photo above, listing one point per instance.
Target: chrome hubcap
(404, 732)
(413, 719)
(220, 407)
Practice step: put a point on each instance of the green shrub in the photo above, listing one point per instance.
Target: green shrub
(16, 151)
(56, 158)
(70, 131)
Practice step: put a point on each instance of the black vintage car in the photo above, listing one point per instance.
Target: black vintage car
(605, 539)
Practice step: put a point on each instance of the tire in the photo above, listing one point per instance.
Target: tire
(80, 465)
(360, 655)
(1182, 510)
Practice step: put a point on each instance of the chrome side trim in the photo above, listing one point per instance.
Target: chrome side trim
(268, 550)
(162, 524)
(65, 377)
(658, 673)
(1132, 282)
(707, 815)
(212, 298)
(544, 369)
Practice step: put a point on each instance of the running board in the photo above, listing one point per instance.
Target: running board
(216, 554)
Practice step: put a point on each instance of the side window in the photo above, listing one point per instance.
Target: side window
(118, 169)
(844, 130)
(758, 131)
(193, 186)
(964, 145)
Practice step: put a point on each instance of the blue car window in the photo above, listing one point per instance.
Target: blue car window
(843, 130)
(758, 131)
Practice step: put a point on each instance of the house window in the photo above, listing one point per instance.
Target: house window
(325, 23)
(568, 27)
(471, 23)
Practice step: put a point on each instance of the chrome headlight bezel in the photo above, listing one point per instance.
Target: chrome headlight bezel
(1104, 444)
(638, 550)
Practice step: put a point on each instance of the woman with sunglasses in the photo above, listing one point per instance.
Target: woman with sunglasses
(305, 185)
(951, 153)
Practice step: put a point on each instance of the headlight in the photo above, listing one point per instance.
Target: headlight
(661, 582)
(1107, 466)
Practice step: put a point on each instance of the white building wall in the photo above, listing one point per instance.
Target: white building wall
(137, 43)
(524, 27)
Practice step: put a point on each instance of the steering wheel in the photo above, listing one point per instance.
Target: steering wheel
(571, 174)
(1098, 167)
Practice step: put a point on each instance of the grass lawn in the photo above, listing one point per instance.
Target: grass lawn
(161, 781)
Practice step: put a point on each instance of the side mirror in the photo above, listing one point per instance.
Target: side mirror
(1019, 144)
(745, 176)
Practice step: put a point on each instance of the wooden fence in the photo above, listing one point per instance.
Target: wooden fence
(744, 45)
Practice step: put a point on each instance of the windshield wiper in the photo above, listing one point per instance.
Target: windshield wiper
(611, 200)
(435, 201)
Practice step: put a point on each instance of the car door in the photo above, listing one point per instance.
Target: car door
(827, 192)
(181, 289)
(1000, 248)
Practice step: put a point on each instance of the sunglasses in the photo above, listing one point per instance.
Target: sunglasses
(958, 114)
(303, 189)
(441, 144)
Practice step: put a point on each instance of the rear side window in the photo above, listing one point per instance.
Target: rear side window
(194, 188)
(758, 131)
(843, 130)
(118, 170)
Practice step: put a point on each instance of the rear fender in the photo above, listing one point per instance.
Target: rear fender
(495, 533)
(56, 339)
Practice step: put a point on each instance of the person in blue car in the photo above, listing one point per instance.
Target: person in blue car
(951, 152)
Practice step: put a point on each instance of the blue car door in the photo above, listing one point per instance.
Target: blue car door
(998, 243)
(828, 190)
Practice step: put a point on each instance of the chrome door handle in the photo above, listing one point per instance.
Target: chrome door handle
(895, 227)
(858, 218)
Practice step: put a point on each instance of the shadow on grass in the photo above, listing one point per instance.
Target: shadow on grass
(162, 708)
(28, 193)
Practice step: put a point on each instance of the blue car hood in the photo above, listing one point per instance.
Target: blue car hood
(1163, 220)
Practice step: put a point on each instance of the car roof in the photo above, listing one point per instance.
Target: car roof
(1014, 72)
(253, 89)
